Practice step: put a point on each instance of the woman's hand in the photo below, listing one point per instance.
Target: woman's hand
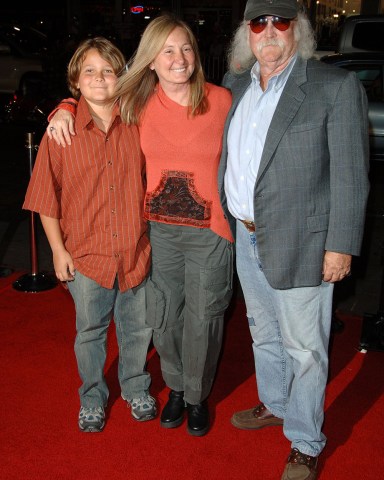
(61, 127)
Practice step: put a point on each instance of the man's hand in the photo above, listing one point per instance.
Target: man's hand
(61, 127)
(336, 266)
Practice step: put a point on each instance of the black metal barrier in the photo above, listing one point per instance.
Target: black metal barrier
(372, 332)
(35, 281)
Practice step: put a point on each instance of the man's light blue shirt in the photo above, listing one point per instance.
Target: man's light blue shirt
(246, 137)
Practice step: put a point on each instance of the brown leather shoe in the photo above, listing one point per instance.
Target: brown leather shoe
(255, 418)
(300, 466)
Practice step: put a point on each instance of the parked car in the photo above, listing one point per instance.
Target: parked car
(21, 53)
(369, 68)
(362, 33)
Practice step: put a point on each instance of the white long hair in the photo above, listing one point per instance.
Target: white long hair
(240, 56)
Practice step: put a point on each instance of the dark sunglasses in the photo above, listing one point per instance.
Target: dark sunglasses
(258, 24)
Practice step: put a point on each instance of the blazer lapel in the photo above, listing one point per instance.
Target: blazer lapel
(238, 90)
(289, 103)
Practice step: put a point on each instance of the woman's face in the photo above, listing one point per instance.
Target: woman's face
(175, 63)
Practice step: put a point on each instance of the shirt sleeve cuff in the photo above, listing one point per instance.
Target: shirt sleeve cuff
(68, 104)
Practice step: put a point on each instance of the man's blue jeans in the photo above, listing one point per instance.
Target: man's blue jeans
(95, 307)
(290, 331)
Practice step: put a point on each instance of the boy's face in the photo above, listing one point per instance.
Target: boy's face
(97, 78)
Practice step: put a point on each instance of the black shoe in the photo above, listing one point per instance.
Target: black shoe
(172, 415)
(198, 419)
(337, 325)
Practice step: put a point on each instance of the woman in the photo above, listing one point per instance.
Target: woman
(181, 119)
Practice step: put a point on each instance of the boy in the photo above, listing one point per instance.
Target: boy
(90, 200)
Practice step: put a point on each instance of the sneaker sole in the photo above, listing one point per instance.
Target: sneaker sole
(91, 429)
(145, 418)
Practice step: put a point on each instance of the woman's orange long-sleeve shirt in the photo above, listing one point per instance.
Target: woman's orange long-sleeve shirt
(182, 155)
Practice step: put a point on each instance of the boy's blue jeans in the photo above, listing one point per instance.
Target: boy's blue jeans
(95, 307)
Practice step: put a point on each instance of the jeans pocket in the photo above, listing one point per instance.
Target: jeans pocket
(157, 306)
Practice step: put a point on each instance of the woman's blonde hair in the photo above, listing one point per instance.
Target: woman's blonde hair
(107, 50)
(137, 85)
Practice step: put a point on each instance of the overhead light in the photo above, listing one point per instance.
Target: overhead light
(137, 9)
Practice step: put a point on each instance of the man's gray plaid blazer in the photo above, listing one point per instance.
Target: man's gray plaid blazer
(312, 186)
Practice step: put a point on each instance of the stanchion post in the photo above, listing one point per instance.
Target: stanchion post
(372, 331)
(35, 281)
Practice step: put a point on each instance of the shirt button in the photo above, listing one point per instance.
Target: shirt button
(254, 125)
(113, 211)
(117, 255)
(242, 177)
(112, 187)
(109, 163)
(115, 235)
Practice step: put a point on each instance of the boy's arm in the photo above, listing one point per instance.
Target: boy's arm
(62, 260)
(61, 122)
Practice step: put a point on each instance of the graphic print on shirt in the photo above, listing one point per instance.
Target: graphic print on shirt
(175, 200)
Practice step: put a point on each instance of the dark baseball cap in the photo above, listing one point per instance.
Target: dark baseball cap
(280, 8)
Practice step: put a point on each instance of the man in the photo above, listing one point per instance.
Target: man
(294, 182)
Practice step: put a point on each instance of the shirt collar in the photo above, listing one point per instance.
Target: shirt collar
(84, 118)
(277, 81)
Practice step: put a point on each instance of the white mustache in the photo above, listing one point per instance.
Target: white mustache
(267, 43)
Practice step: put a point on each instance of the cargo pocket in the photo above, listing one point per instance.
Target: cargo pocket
(216, 285)
(157, 302)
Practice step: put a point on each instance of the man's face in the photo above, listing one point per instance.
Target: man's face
(272, 47)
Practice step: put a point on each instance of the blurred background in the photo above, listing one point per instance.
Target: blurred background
(38, 37)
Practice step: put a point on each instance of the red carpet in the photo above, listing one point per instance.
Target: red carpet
(40, 439)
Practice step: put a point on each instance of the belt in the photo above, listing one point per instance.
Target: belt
(250, 226)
